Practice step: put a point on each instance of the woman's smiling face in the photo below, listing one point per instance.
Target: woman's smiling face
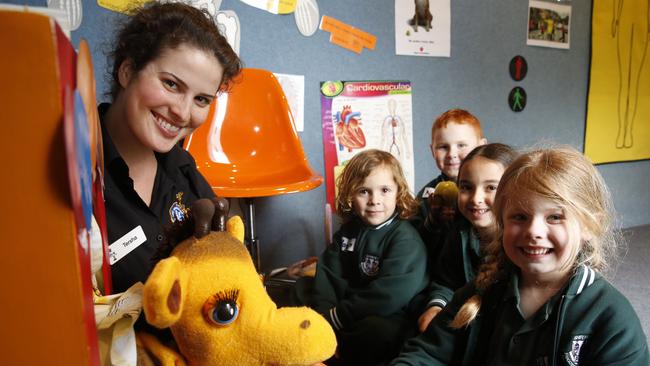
(170, 97)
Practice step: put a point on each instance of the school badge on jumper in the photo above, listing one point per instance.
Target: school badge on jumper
(177, 211)
(370, 265)
(573, 356)
(347, 245)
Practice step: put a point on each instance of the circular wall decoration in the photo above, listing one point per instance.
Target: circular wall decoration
(518, 68)
(517, 99)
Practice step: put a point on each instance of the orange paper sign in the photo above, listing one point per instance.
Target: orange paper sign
(347, 36)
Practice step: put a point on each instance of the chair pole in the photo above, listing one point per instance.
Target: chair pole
(252, 243)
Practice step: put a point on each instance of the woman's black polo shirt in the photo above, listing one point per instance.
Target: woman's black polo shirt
(177, 184)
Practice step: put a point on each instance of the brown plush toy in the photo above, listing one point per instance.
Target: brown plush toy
(210, 295)
(442, 204)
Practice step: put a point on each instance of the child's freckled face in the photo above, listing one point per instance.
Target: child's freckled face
(451, 144)
(375, 200)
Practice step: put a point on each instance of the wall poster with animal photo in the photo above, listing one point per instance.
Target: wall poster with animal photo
(422, 28)
(618, 105)
(362, 115)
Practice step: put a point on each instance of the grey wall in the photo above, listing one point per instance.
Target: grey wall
(485, 35)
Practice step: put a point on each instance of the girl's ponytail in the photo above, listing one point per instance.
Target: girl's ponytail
(489, 272)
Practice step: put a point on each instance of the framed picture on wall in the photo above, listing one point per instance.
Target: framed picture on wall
(548, 24)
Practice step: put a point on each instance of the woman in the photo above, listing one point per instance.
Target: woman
(169, 64)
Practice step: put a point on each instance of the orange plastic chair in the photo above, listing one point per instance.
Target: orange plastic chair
(249, 146)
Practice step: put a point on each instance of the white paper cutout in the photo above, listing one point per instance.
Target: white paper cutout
(294, 89)
(226, 20)
(72, 8)
(307, 17)
(260, 4)
(273, 6)
(228, 24)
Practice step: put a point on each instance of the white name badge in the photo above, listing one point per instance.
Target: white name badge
(124, 245)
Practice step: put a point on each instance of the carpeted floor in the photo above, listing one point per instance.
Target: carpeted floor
(632, 276)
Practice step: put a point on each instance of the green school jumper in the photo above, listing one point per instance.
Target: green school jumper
(457, 263)
(587, 323)
(363, 285)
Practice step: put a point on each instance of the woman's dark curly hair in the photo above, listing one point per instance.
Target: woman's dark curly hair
(156, 27)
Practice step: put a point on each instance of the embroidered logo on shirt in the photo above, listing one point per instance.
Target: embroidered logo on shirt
(177, 211)
(573, 356)
(347, 245)
(370, 265)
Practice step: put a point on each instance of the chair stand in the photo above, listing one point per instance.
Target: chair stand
(250, 238)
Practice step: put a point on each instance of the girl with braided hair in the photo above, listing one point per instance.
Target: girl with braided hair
(539, 297)
(461, 250)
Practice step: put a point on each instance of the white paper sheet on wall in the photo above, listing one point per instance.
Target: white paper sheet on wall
(228, 24)
(422, 28)
(294, 89)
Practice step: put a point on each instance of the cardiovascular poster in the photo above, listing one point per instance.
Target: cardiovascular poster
(361, 115)
(618, 108)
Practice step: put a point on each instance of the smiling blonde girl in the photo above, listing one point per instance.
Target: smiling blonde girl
(539, 298)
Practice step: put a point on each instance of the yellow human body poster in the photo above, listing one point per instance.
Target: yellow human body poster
(618, 110)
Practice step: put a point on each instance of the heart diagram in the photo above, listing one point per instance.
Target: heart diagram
(348, 129)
